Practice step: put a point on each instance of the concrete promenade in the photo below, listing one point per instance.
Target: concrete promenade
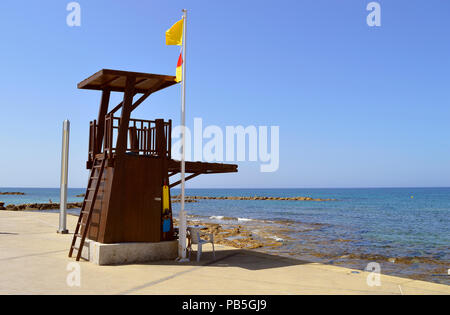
(33, 260)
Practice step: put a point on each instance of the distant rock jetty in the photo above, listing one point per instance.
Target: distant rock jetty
(187, 199)
(12, 193)
(195, 198)
(175, 199)
(39, 206)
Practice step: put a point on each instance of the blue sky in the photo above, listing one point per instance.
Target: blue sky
(357, 106)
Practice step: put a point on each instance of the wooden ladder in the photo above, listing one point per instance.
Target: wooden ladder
(83, 225)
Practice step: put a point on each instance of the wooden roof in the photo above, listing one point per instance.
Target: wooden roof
(115, 81)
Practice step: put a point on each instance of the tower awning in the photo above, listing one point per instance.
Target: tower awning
(115, 80)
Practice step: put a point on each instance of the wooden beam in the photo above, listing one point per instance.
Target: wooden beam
(101, 120)
(105, 85)
(115, 109)
(186, 179)
(136, 104)
(141, 80)
(121, 146)
(144, 97)
(140, 100)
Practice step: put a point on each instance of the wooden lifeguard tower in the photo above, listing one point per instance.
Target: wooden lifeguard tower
(131, 164)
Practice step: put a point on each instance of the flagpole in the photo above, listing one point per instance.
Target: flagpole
(183, 224)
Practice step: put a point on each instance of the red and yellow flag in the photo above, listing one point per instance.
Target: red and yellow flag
(180, 68)
(174, 36)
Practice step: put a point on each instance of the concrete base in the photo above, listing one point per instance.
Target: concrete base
(128, 253)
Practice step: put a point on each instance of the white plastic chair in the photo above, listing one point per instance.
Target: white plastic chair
(194, 238)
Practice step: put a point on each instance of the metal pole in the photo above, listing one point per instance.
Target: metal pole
(64, 174)
(182, 237)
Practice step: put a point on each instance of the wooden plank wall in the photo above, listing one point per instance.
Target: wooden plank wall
(133, 213)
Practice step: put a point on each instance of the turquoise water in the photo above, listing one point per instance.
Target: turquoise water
(406, 230)
(375, 216)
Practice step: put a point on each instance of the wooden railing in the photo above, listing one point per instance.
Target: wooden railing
(145, 137)
(93, 129)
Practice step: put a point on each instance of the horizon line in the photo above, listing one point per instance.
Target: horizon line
(348, 187)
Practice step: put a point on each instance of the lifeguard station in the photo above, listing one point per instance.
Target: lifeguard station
(127, 198)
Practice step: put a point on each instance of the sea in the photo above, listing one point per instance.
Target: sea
(404, 230)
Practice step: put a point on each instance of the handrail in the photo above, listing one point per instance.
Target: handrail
(92, 140)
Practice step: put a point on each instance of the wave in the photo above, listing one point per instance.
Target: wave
(277, 239)
(224, 218)
(244, 219)
(217, 217)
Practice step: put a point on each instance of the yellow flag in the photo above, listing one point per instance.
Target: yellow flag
(174, 35)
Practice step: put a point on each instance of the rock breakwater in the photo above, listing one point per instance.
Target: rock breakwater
(196, 198)
(38, 206)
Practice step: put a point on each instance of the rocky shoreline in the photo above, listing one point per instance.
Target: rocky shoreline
(277, 239)
(38, 206)
(12, 193)
(235, 235)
